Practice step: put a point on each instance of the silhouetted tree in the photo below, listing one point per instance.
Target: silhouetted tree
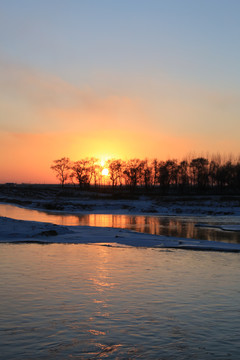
(237, 176)
(213, 171)
(183, 175)
(81, 171)
(146, 173)
(115, 170)
(96, 173)
(61, 167)
(94, 170)
(133, 172)
(227, 174)
(155, 171)
(168, 174)
(200, 172)
(164, 179)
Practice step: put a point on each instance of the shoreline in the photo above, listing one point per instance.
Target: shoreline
(22, 231)
(87, 203)
(84, 202)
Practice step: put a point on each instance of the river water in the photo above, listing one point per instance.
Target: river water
(177, 226)
(65, 301)
(96, 302)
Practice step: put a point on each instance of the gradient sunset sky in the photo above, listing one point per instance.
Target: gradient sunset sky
(109, 78)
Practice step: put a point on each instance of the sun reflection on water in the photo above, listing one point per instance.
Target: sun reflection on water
(158, 225)
(92, 301)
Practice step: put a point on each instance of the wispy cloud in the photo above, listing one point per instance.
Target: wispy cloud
(31, 101)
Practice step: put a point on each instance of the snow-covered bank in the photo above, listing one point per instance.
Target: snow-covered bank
(82, 202)
(29, 231)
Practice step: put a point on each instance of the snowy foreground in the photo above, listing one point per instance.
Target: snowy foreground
(16, 231)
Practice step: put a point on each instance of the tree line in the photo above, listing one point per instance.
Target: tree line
(195, 174)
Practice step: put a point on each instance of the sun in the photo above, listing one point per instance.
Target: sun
(105, 172)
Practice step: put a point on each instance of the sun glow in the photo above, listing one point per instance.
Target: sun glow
(104, 159)
(105, 172)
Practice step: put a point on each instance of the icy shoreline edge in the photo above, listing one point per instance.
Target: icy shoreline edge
(21, 231)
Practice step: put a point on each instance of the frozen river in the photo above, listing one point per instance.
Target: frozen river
(82, 301)
(76, 302)
(177, 226)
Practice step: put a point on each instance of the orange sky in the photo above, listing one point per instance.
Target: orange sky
(28, 157)
(117, 79)
(45, 118)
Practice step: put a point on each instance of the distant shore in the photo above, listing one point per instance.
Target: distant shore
(74, 200)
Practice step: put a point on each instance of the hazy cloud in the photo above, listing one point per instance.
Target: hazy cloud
(31, 101)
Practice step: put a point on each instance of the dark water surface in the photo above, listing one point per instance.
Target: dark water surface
(159, 225)
(96, 302)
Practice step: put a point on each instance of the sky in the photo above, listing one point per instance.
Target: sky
(122, 79)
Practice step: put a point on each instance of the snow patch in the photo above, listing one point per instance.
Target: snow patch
(30, 231)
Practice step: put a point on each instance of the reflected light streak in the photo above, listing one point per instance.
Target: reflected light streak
(146, 224)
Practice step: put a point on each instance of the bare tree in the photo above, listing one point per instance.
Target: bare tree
(115, 170)
(183, 176)
(146, 173)
(81, 171)
(133, 172)
(155, 171)
(213, 171)
(168, 173)
(61, 168)
(199, 168)
(95, 170)
(201, 173)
